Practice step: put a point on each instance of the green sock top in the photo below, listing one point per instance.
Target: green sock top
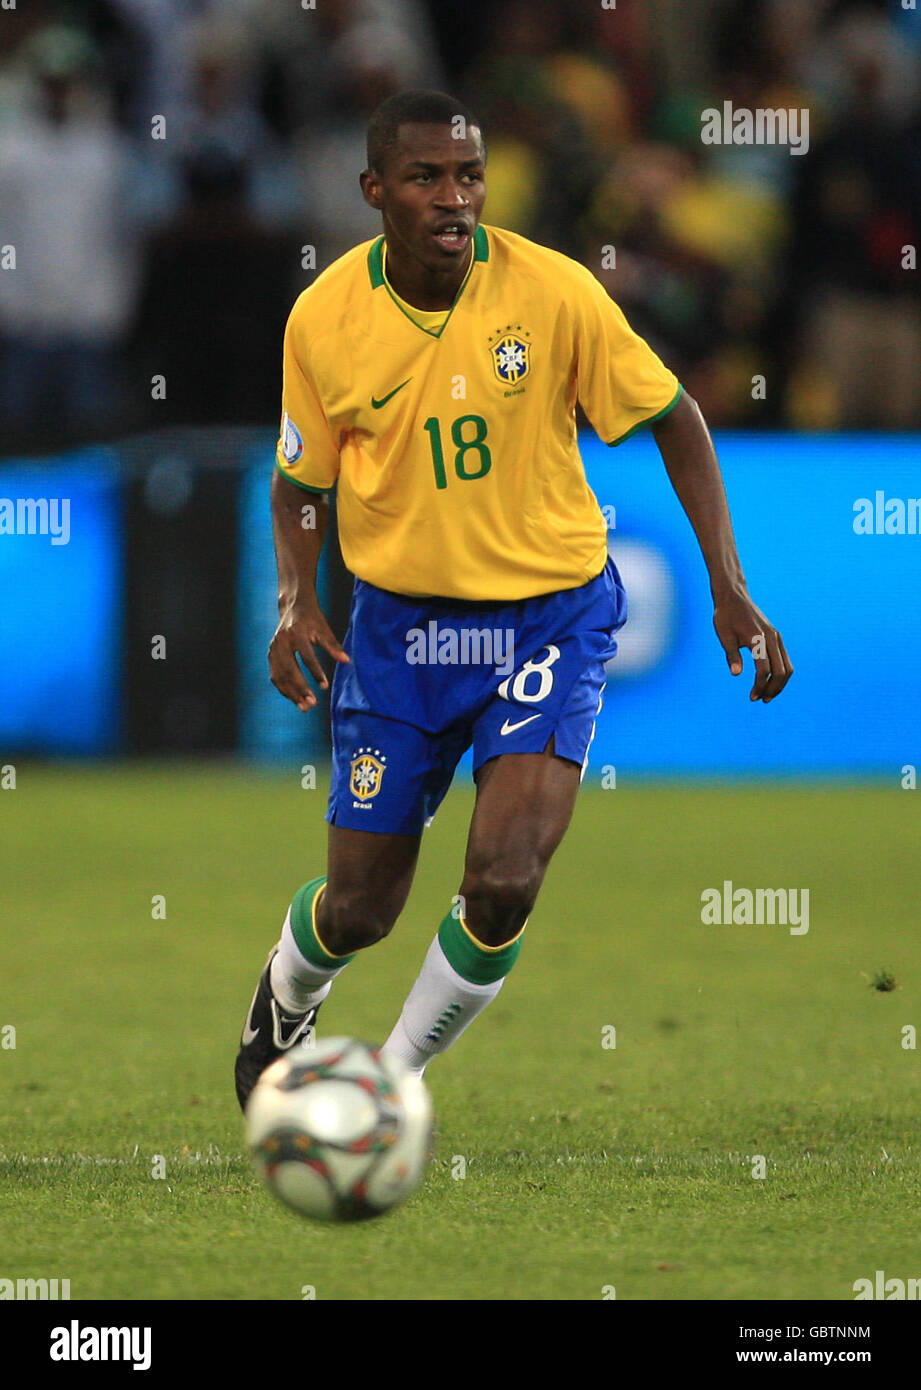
(473, 961)
(304, 930)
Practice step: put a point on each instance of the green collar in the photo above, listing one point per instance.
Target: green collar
(376, 272)
(376, 256)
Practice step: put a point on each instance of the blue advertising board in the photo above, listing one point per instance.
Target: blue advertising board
(846, 602)
(827, 529)
(60, 606)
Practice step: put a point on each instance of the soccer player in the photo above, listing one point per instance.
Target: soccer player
(432, 375)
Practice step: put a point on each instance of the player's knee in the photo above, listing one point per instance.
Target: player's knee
(352, 921)
(498, 900)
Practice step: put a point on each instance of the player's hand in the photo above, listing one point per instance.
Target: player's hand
(299, 631)
(740, 624)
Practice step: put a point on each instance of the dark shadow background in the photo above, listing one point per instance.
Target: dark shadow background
(153, 276)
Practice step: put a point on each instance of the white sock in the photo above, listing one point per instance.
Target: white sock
(440, 1005)
(296, 983)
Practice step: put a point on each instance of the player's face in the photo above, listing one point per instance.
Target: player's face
(432, 193)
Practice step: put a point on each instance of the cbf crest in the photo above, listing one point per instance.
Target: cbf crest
(367, 772)
(510, 349)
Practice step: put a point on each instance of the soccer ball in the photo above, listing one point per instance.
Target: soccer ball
(339, 1131)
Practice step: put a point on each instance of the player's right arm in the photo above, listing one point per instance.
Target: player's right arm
(307, 466)
(299, 525)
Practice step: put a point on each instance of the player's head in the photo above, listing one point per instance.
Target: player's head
(426, 173)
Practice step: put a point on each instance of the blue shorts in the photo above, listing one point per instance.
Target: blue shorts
(429, 677)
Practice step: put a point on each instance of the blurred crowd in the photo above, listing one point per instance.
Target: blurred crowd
(174, 172)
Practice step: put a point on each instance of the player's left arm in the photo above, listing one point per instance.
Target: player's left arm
(690, 460)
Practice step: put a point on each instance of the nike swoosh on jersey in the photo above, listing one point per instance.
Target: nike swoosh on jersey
(508, 728)
(376, 405)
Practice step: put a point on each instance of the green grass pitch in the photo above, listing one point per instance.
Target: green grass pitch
(587, 1167)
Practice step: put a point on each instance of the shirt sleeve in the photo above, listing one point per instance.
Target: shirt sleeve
(622, 384)
(306, 451)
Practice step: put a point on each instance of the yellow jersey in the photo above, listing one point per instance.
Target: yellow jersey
(454, 448)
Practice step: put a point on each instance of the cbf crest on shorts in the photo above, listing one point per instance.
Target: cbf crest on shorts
(511, 354)
(367, 772)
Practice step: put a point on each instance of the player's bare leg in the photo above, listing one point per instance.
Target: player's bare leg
(369, 876)
(523, 806)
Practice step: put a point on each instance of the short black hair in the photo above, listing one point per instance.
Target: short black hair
(406, 108)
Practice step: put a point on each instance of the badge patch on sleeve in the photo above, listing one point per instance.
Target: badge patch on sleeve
(292, 446)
